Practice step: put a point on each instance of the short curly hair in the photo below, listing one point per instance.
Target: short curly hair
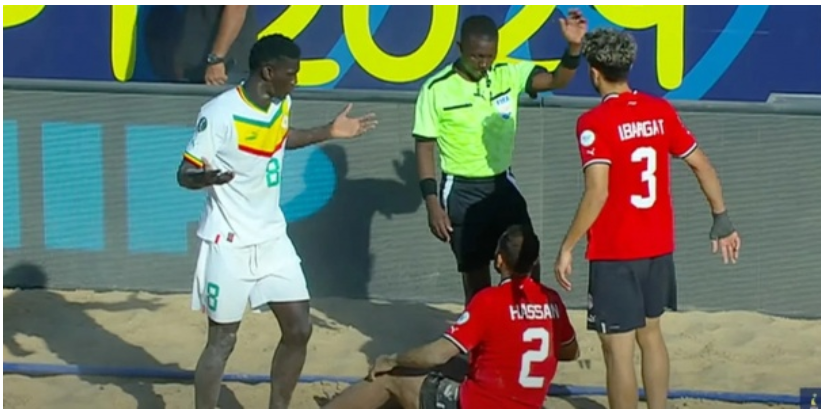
(611, 52)
(480, 26)
(271, 48)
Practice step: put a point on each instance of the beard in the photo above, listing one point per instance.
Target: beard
(593, 82)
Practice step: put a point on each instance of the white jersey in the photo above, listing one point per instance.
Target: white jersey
(233, 134)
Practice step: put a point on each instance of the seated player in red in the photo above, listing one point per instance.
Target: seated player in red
(515, 333)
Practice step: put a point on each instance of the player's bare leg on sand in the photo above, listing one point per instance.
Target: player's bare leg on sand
(618, 350)
(211, 365)
(289, 356)
(655, 363)
(382, 391)
(286, 366)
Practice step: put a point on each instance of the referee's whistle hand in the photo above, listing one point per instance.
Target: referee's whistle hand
(439, 222)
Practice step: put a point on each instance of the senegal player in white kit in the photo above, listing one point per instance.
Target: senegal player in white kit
(245, 255)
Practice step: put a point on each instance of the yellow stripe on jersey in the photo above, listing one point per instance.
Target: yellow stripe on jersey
(193, 160)
(263, 138)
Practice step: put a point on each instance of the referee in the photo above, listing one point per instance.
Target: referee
(468, 111)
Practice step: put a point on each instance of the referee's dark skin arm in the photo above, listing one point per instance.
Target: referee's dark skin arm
(561, 77)
(426, 164)
(573, 29)
(425, 159)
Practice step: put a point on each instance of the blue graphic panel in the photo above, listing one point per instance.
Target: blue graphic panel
(159, 211)
(73, 205)
(308, 182)
(11, 186)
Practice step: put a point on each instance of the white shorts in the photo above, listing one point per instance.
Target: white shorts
(228, 277)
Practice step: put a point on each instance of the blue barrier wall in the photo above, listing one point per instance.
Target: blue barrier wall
(91, 198)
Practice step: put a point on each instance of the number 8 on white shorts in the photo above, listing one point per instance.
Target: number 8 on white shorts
(228, 278)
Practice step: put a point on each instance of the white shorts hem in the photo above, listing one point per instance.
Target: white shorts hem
(281, 301)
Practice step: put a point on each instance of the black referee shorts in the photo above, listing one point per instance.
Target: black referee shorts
(480, 210)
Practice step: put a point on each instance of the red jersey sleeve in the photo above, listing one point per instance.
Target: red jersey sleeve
(563, 330)
(593, 146)
(682, 141)
(469, 329)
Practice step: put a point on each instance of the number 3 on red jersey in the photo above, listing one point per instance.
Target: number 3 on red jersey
(648, 156)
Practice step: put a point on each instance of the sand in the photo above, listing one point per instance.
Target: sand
(734, 351)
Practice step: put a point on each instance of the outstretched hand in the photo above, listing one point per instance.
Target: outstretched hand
(345, 127)
(574, 27)
(210, 176)
(729, 247)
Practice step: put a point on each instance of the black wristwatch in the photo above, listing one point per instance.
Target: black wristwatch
(213, 59)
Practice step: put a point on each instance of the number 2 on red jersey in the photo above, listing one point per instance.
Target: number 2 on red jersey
(542, 336)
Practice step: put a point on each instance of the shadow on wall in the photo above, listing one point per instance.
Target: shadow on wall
(335, 243)
(335, 247)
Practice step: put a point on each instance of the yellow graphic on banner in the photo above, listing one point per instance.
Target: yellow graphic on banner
(123, 41)
(19, 15)
(292, 22)
(520, 29)
(400, 69)
(668, 22)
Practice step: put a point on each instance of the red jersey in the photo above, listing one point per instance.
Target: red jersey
(512, 332)
(635, 134)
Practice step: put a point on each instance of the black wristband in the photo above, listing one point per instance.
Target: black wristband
(722, 226)
(569, 61)
(428, 187)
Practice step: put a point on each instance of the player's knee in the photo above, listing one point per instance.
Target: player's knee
(403, 389)
(606, 348)
(387, 382)
(298, 334)
(650, 335)
(617, 346)
(223, 344)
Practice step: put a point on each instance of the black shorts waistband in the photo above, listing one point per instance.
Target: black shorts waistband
(504, 176)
